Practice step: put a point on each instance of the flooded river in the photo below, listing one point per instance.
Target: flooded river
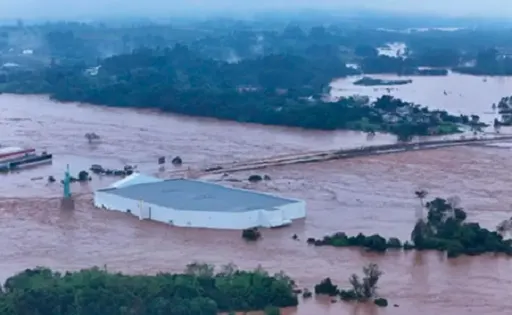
(371, 195)
(456, 93)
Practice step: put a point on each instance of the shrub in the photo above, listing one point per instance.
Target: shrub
(381, 302)
(252, 234)
(326, 287)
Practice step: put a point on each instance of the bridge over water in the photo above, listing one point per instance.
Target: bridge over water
(320, 156)
(327, 155)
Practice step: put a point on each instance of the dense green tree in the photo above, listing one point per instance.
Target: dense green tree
(275, 89)
(444, 229)
(363, 288)
(41, 291)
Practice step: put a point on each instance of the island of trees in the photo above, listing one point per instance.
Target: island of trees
(368, 81)
(444, 229)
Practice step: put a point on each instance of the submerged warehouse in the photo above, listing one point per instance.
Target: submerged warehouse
(194, 203)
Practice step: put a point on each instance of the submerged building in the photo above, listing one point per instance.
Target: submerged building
(194, 203)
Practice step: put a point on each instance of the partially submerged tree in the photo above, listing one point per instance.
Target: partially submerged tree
(252, 234)
(421, 195)
(366, 287)
(83, 176)
(504, 226)
(444, 229)
(326, 287)
(200, 269)
(91, 136)
(363, 288)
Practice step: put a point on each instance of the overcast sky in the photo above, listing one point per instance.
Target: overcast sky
(70, 9)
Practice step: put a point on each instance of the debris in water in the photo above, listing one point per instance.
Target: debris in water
(177, 161)
(90, 136)
(251, 234)
(255, 178)
(99, 170)
(83, 176)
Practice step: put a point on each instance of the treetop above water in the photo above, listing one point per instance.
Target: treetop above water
(199, 290)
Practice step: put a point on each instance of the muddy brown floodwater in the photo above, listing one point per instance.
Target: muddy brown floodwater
(371, 195)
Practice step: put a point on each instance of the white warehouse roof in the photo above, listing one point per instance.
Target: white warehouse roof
(193, 203)
(193, 195)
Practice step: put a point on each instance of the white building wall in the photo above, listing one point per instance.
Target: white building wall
(205, 219)
(294, 211)
(202, 219)
(103, 199)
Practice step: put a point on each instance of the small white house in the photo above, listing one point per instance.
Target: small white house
(199, 204)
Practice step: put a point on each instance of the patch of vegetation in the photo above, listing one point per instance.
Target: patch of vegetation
(382, 302)
(444, 229)
(373, 242)
(277, 89)
(199, 290)
(272, 310)
(252, 234)
(368, 81)
(363, 289)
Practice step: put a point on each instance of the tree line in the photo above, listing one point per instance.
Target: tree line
(337, 43)
(200, 290)
(444, 229)
(275, 90)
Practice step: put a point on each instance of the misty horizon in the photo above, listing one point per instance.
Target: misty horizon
(62, 9)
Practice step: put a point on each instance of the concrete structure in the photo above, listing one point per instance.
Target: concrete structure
(193, 203)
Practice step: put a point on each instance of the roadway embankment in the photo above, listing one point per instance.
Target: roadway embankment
(321, 156)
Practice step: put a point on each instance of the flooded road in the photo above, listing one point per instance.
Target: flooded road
(371, 195)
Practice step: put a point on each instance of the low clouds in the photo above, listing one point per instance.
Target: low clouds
(67, 9)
